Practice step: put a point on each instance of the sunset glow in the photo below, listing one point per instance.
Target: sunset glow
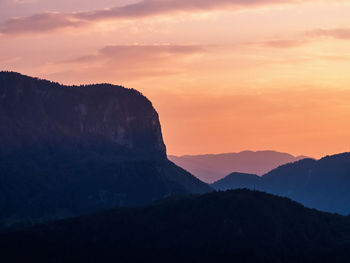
(224, 75)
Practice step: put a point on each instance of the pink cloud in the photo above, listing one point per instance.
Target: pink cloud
(50, 21)
(305, 38)
(135, 55)
(281, 43)
(128, 62)
(39, 23)
(338, 33)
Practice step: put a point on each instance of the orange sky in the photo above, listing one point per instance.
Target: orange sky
(224, 75)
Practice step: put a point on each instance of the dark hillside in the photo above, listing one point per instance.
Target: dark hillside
(233, 226)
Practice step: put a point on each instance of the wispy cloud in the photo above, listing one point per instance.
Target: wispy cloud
(24, 1)
(127, 62)
(139, 52)
(337, 33)
(50, 21)
(304, 38)
(39, 23)
(281, 43)
(335, 57)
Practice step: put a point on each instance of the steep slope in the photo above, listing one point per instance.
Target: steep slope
(236, 181)
(67, 150)
(322, 184)
(289, 180)
(235, 226)
(212, 167)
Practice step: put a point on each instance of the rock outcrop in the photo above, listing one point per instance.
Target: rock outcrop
(71, 150)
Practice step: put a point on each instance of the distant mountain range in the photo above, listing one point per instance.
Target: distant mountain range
(72, 150)
(234, 226)
(322, 184)
(212, 167)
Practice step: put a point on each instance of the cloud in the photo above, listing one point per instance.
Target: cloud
(337, 33)
(39, 23)
(128, 62)
(304, 38)
(281, 43)
(139, 52)
(154, 7)
(335, 57)
(24, 1)
(51, 21)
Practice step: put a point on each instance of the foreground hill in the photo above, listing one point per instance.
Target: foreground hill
(322, 184)
(69, 150)
(212, 167)
(234, 226)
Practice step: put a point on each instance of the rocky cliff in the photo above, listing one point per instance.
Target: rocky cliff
(34, 111)
(71, 150)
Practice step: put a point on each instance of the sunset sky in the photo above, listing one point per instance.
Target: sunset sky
(224, 75)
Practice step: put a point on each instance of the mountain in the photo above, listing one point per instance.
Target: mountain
(71, 150)
(238, 180)
(234, 226)
(322, 184)
(212, 167)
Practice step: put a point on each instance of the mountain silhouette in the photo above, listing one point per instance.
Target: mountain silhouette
(212, 167)
(71, 150)
(323, 184)
(238, 180)
(234, 226)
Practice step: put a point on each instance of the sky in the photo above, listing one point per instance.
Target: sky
(224, 75)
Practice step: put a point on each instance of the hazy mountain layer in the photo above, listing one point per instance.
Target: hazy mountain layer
(212, 167)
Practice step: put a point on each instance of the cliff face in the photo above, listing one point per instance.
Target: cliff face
(67, 151)
(36, 111)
